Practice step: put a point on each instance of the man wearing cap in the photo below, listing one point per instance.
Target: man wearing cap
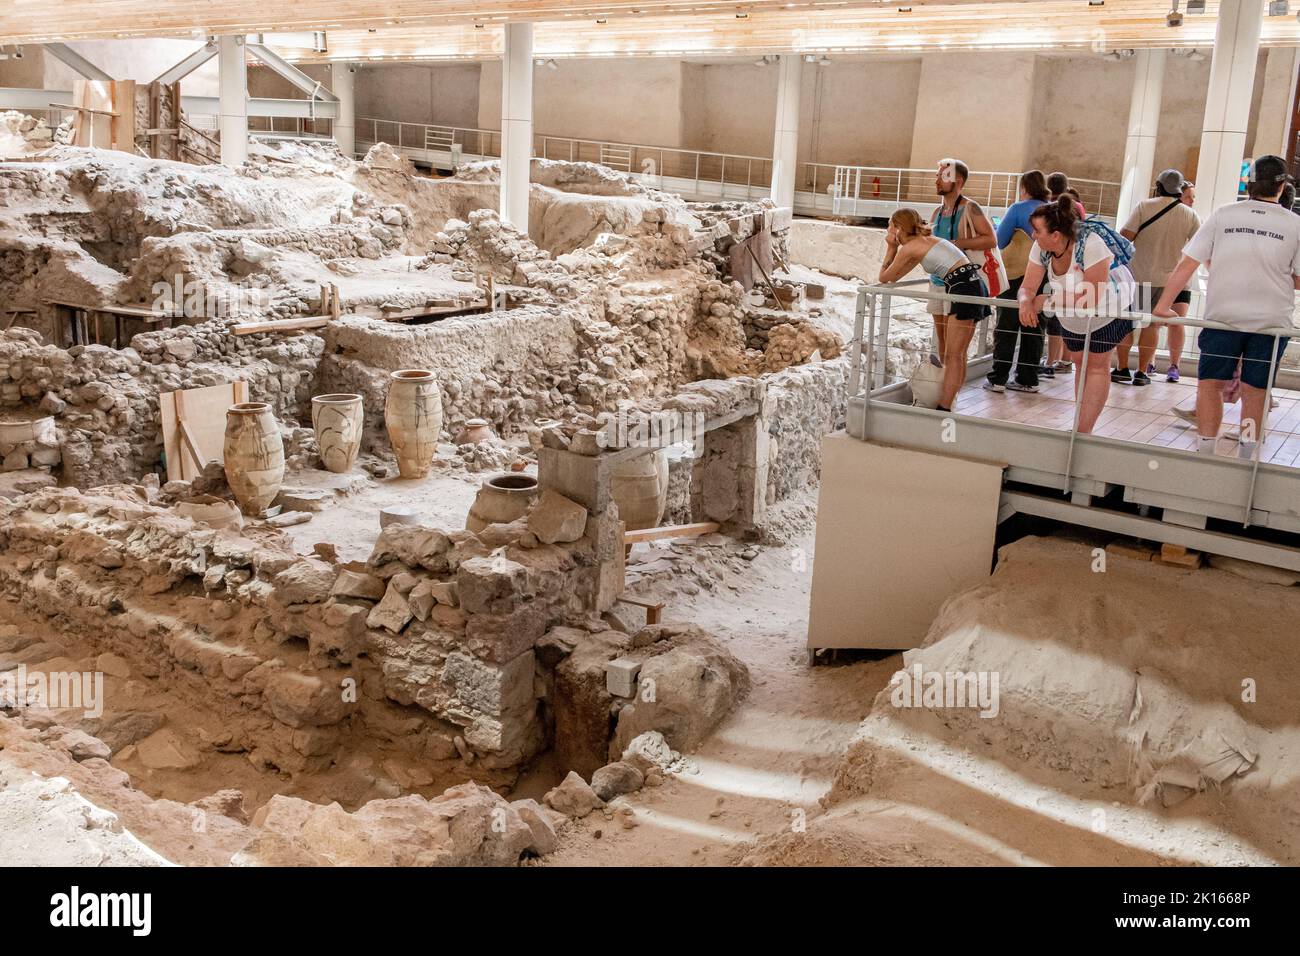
(1252, 252)
(1159, 228)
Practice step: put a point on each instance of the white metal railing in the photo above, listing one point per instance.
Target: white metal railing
(855, 189)
(473, 143)
(850, 190)
(867, 374)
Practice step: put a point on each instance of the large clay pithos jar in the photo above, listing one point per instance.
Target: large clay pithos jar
(501, 499)
(337, 419)
(254, 455)
(639, 486)
(413, 414)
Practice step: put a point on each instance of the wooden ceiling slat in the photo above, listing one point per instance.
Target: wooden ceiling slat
(445, 29)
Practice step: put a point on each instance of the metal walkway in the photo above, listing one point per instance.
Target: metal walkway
(1247, 509)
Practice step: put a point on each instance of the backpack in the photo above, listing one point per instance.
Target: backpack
(1121, 249)
(1121, 279)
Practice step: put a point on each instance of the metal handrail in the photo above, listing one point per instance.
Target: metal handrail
(867, 311)
(910, 184)
(653, 164)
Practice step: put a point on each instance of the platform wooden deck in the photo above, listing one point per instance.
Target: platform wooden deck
(1137, 413)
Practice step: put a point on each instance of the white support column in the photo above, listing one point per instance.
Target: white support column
(516, 123)
(1227, 103)
(232, 69)
(343, 85)
(1143, 124)
(785, 149)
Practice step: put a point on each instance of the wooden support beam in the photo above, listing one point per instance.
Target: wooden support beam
(671, 531)
(281, 325)
(653, 609)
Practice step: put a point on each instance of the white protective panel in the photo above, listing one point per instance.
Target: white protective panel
(898, 532)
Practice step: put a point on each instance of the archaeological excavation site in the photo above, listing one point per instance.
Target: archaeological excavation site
(388, 481)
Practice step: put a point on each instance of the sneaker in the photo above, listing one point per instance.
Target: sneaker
(1064, 366)
(1140, 378)
(993, 386)
(1172, 374)
(1185, 414)
(1046, 371)
(1151, 368)
(1017, 387)
(1122, 375)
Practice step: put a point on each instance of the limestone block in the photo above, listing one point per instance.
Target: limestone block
(303, 700)
(307, 581)
(354, 584)
(557, 519)
(392, 613)
(620, 676)
(495, 689)
(491, 585)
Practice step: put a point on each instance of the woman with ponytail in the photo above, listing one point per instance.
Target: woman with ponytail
(909, 244)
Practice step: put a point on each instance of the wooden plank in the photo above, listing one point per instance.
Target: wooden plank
(130, 311)
(122, 127)
(1179, 556)
(670, 531)
(196, 419)
(280, 325)
(191, 444)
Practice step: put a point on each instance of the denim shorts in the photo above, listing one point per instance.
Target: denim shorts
(1222, 349)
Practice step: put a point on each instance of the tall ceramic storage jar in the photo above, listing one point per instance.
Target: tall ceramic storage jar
(502, 499)
(336, 420)
(413, 414)
(254, 455)
(639, 487)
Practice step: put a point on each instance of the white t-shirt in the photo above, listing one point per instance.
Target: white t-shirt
(1061, 288)
(1253, 249)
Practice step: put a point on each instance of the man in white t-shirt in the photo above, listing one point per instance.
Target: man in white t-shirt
(1252, 252)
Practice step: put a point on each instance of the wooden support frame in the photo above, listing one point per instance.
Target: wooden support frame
(193, 423)
(694, 530)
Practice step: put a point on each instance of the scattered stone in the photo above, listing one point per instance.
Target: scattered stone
(573, 797)
(166, 750)
(287, 519)
(616, 779)
(538, 819)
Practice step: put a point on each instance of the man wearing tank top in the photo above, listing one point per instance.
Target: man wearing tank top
(946, 224)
